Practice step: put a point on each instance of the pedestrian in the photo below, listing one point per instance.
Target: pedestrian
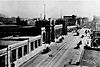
(86, 32)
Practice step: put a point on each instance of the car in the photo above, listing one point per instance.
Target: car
(82, 36)
(76, 34)
(60, 39)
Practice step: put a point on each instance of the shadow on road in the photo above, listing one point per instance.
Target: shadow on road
(46, 50)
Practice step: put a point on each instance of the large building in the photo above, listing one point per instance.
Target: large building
(70, 20)
(52, 29)
(14, 30)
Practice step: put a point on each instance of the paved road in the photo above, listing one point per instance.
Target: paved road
(72, 56)
(69, 53)
(70, 41)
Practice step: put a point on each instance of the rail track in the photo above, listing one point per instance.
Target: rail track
(31, 59)
(37, 56)
(54, 61)
(56, 54)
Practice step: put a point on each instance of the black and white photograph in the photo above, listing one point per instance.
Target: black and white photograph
(49, 33)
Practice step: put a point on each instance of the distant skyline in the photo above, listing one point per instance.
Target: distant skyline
(34, 8)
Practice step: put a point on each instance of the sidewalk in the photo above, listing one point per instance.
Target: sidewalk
(91, 58)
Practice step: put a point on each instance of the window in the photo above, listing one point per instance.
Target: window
(25, 50)
(14, 55)
(19, 52)
(2, 61)
(39, 42)
(35, 44)
(44, 37)
(32, 46)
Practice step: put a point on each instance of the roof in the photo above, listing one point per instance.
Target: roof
(4, 42)
(27, 27)
(28, 37)
(7, 42)
(5, 26)
(10, 40)
(13, 38)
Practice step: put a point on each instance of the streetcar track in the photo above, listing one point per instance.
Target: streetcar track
(54, 53)
(51, 61)
(47, 60)
(50, 58)
(31, 59)
(60, 53)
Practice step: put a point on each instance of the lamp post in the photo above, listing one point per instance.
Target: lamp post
(44, 12)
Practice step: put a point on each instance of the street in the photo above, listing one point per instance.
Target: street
(62, 53)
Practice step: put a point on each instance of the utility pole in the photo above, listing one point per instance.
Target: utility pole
(94, 19)
(95, 25)
(44, 12)
(61, 13)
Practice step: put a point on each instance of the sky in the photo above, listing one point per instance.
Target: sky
(53, 8)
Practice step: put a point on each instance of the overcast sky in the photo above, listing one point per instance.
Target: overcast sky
(34, 8)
